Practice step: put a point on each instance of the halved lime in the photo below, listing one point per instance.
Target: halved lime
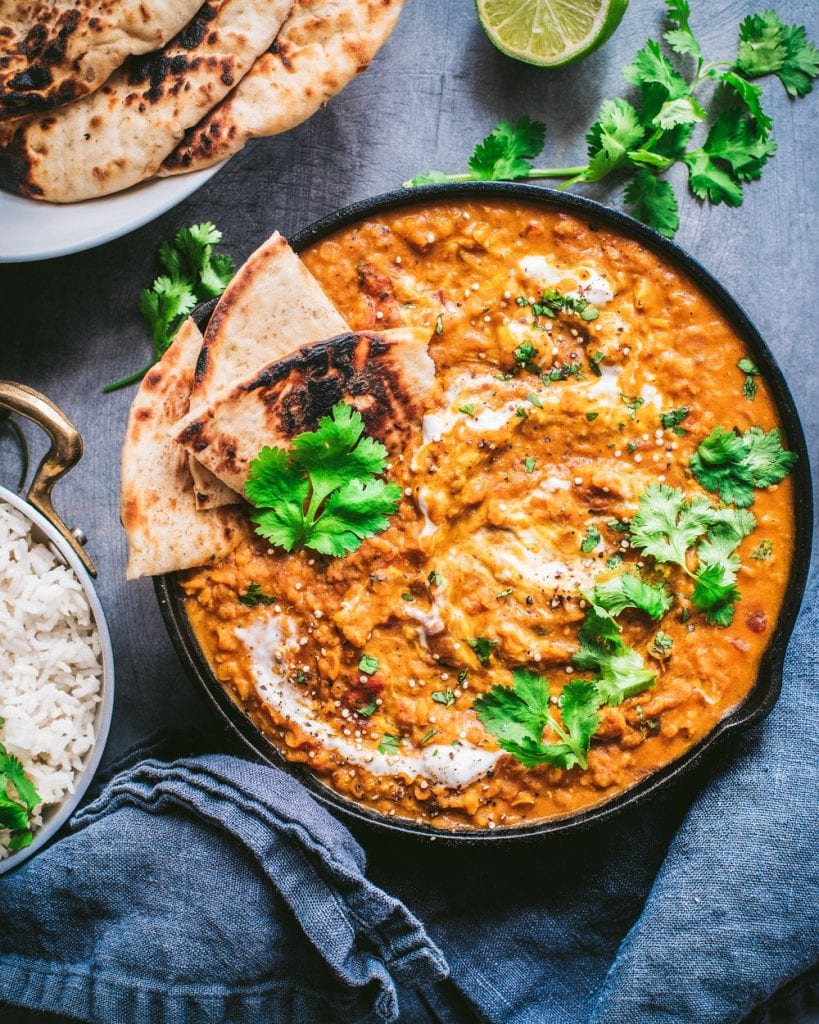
(549, 32)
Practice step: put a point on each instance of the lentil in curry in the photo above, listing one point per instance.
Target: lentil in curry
(574, 369)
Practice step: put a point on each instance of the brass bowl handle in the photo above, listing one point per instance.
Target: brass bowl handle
(65, 452)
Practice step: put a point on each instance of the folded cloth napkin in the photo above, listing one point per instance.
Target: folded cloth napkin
(210, 889)
(207, 890)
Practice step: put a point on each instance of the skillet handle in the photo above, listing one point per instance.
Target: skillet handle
(65, 452)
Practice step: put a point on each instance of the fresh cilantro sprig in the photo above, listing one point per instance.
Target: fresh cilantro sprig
(18, 800)
(517, 716)
(194, 273)
(325, 492)
(645, 140)
(733, 464)
(618, 669)
(666, 526)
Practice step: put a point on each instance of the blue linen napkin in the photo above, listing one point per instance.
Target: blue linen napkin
(211, 889)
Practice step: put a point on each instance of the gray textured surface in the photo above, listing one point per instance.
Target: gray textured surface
(71, 325)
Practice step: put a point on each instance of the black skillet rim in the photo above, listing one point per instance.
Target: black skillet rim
(765, 691)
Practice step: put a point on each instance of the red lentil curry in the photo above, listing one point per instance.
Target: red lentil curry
(575, 370)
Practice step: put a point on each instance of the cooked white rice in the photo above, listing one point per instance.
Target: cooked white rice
(50, 663)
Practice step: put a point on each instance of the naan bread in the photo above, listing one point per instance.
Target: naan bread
(388, 377)
(165, 531)
(271, 307)
(322, 45)
(120, 134)
(51, 53)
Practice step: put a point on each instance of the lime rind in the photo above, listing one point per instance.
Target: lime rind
(549, 33)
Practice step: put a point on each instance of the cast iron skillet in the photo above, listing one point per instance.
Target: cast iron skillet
(765, 691)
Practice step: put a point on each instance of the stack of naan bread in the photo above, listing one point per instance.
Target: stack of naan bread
(97, 95)
(275, 357)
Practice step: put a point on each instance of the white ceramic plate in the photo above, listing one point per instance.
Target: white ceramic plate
(31, 230)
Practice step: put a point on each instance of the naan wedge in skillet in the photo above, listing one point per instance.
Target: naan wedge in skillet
(164, 529)
(120, 134)
(51, 53)
(321, 47)
(387, 376)
(271, 307)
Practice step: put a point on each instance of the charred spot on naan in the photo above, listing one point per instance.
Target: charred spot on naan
(352, 367)
(388, 377)
(52, 54)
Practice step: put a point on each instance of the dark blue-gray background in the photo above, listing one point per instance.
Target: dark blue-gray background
(71, 325)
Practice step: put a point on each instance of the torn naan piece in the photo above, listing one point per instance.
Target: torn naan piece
(120, 134)
(165, 531)
(387, 376)
(321, 47)
(271, 307)
(51, 53)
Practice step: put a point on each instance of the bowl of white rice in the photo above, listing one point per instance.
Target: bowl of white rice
(56, 672)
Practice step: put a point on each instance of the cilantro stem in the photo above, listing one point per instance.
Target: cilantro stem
(535, 172)
(132, 379)
(566, 738)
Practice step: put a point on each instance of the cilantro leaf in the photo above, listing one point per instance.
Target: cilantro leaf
(190, 256)
(336, 453)
(719, 465)
(740, 148)
(368, 664)
(627, 591)
(768, 46)
(356, 511)
(680, 38)
(11, 770)
(483, 648)
(13, 816)
(716, 592)
(591, 539)
(728, 527)
(650, 66)
(652, 200)
(254, 596)
(679, 111)
(661, 647)
(336, 467)
(733, 465)
(616, 130)
(618, 670)
(709, 181)
(766, 459)
(518, 715)
(672, 420)
(163, 306)
(750, 94)
(388, 744)
(281, 489)
(505, 153)
(665, 525)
